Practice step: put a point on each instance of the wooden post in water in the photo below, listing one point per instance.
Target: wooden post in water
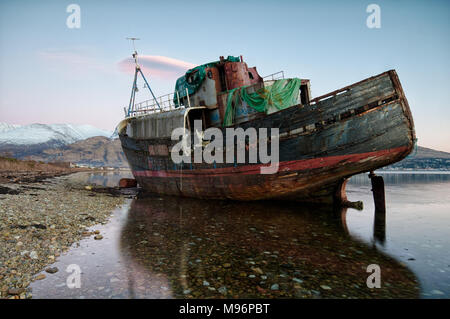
(378, 192)
(379, 227)
(379, 223)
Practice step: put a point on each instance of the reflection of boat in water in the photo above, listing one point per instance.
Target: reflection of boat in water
(215, 249)
(322, 141)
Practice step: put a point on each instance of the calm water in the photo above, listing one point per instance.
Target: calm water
(166, 247)
(417, 224)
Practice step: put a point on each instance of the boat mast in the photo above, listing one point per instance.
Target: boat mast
(137, 70)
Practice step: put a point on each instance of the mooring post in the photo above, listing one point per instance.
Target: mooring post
(379, 226)
(378, 192)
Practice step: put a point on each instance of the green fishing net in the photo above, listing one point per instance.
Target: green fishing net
(281, 94)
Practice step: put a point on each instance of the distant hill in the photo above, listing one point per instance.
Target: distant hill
(95, 151)
(423, 159)
(423, 152)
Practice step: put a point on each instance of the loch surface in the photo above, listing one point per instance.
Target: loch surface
(169, 247)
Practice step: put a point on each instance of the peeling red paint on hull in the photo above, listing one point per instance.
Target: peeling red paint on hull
(312, 180)
(298, 165)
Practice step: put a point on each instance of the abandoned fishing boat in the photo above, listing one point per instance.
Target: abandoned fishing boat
(322, 141)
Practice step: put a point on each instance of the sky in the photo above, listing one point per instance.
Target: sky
(50, 73)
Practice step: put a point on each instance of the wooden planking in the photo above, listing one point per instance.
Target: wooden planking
(364, 92)
(340, 137)
(301, 116)
(357, 134)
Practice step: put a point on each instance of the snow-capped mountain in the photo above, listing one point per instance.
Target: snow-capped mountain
(82, 144)
(57, 134)
(7, 127)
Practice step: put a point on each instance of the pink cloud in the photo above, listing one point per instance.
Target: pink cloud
(157, 66)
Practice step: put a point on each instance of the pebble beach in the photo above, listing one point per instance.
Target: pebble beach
(39, 221)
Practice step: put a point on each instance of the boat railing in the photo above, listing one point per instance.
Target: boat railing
(164, 103)
(274, 76)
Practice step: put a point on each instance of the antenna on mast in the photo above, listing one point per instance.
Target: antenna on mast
(135, 54)
(134, 89)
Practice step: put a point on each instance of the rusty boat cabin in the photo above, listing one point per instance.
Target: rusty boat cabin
(322, 141)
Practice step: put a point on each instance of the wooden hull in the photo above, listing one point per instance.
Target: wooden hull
(357, 129)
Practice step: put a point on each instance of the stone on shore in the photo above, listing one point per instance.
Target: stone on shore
(40, 277)
(52, 270)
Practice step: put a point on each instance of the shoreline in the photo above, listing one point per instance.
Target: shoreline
(42, 214)
(42, 221)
